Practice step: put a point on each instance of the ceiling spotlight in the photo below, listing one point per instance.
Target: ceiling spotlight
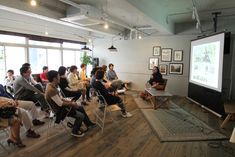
(106, 26)
(89, 40)
(33, 2)
(140, 37)
(46, 33)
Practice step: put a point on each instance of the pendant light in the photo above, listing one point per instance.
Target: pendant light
(112, 48)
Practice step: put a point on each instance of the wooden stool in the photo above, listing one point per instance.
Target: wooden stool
(229, 108)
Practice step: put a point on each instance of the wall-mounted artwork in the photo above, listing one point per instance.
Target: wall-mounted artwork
(153, 62)
(163, 69)
(176, 68)
(156, 51)
(166, 55)
(178, 55)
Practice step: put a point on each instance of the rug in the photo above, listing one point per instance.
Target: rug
(176, 124)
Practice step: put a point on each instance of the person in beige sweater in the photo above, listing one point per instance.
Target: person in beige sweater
(13, 122)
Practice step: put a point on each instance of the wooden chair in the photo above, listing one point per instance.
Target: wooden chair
(161, 86)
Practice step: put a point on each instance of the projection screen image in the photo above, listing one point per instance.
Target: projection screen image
(206, 62)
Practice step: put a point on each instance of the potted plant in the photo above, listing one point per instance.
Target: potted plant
(85, 59)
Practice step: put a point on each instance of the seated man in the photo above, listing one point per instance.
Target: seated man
(110, 98)
(24, 90)
(10, 78)
(64, 107)
(43, 76)
(112, 76)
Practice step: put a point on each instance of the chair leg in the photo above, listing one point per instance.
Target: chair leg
(4, 148)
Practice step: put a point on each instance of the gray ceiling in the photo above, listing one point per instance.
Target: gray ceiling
(127, 18)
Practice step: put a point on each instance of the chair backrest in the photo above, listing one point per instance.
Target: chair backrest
(162, 85)
(101, 98)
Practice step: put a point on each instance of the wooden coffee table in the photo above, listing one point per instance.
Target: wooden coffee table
(154, 94)
(229, 108)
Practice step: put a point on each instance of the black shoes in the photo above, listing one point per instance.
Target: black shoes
(18, 144)
(32, 134)
(37, 122)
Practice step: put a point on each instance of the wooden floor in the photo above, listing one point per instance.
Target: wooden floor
(131, 137)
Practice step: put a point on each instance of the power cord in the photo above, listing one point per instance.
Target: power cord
(226, 148)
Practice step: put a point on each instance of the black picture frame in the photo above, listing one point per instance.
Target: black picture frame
(176, 68)
(178, 55)
(163, 69)
(153, 61)
(156, 50)
(166, 54)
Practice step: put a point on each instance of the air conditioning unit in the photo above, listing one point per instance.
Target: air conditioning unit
(84, 15)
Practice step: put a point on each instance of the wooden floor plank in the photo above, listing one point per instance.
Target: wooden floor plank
(126, 137)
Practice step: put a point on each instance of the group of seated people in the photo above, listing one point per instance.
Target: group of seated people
(25, 93)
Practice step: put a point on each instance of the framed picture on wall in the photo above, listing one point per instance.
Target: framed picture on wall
(166, 55)
(176, 68)
(178, 55)
(163, 69)
(156, 51)
(153, 62)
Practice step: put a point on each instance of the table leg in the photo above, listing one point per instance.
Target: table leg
(226, 120)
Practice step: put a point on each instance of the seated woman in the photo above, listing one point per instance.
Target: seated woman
(75, 83)
(13, 122)
(84, 78)
(156, 77)
(64, 107)
(110, 98)
(64, 85)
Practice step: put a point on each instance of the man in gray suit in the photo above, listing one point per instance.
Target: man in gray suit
(25, 90)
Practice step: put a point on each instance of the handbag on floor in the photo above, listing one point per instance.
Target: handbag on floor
(7, 112)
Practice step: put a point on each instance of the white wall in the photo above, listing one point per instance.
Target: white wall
(131, 60)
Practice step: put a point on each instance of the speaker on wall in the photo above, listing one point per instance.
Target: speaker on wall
(95, 62)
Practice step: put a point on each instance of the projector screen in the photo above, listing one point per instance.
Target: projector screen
(206, 61)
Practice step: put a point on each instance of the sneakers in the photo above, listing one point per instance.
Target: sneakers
(93, 125)
(69, 124)
(32, 134)
(78, 134)
(126, 114)
(37, 122)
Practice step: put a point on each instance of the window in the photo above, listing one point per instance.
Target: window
(69, 58)
(12, 39)
(43, 43)
(71, 45)
(37, 59)
(54, 59)
(15, 57)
